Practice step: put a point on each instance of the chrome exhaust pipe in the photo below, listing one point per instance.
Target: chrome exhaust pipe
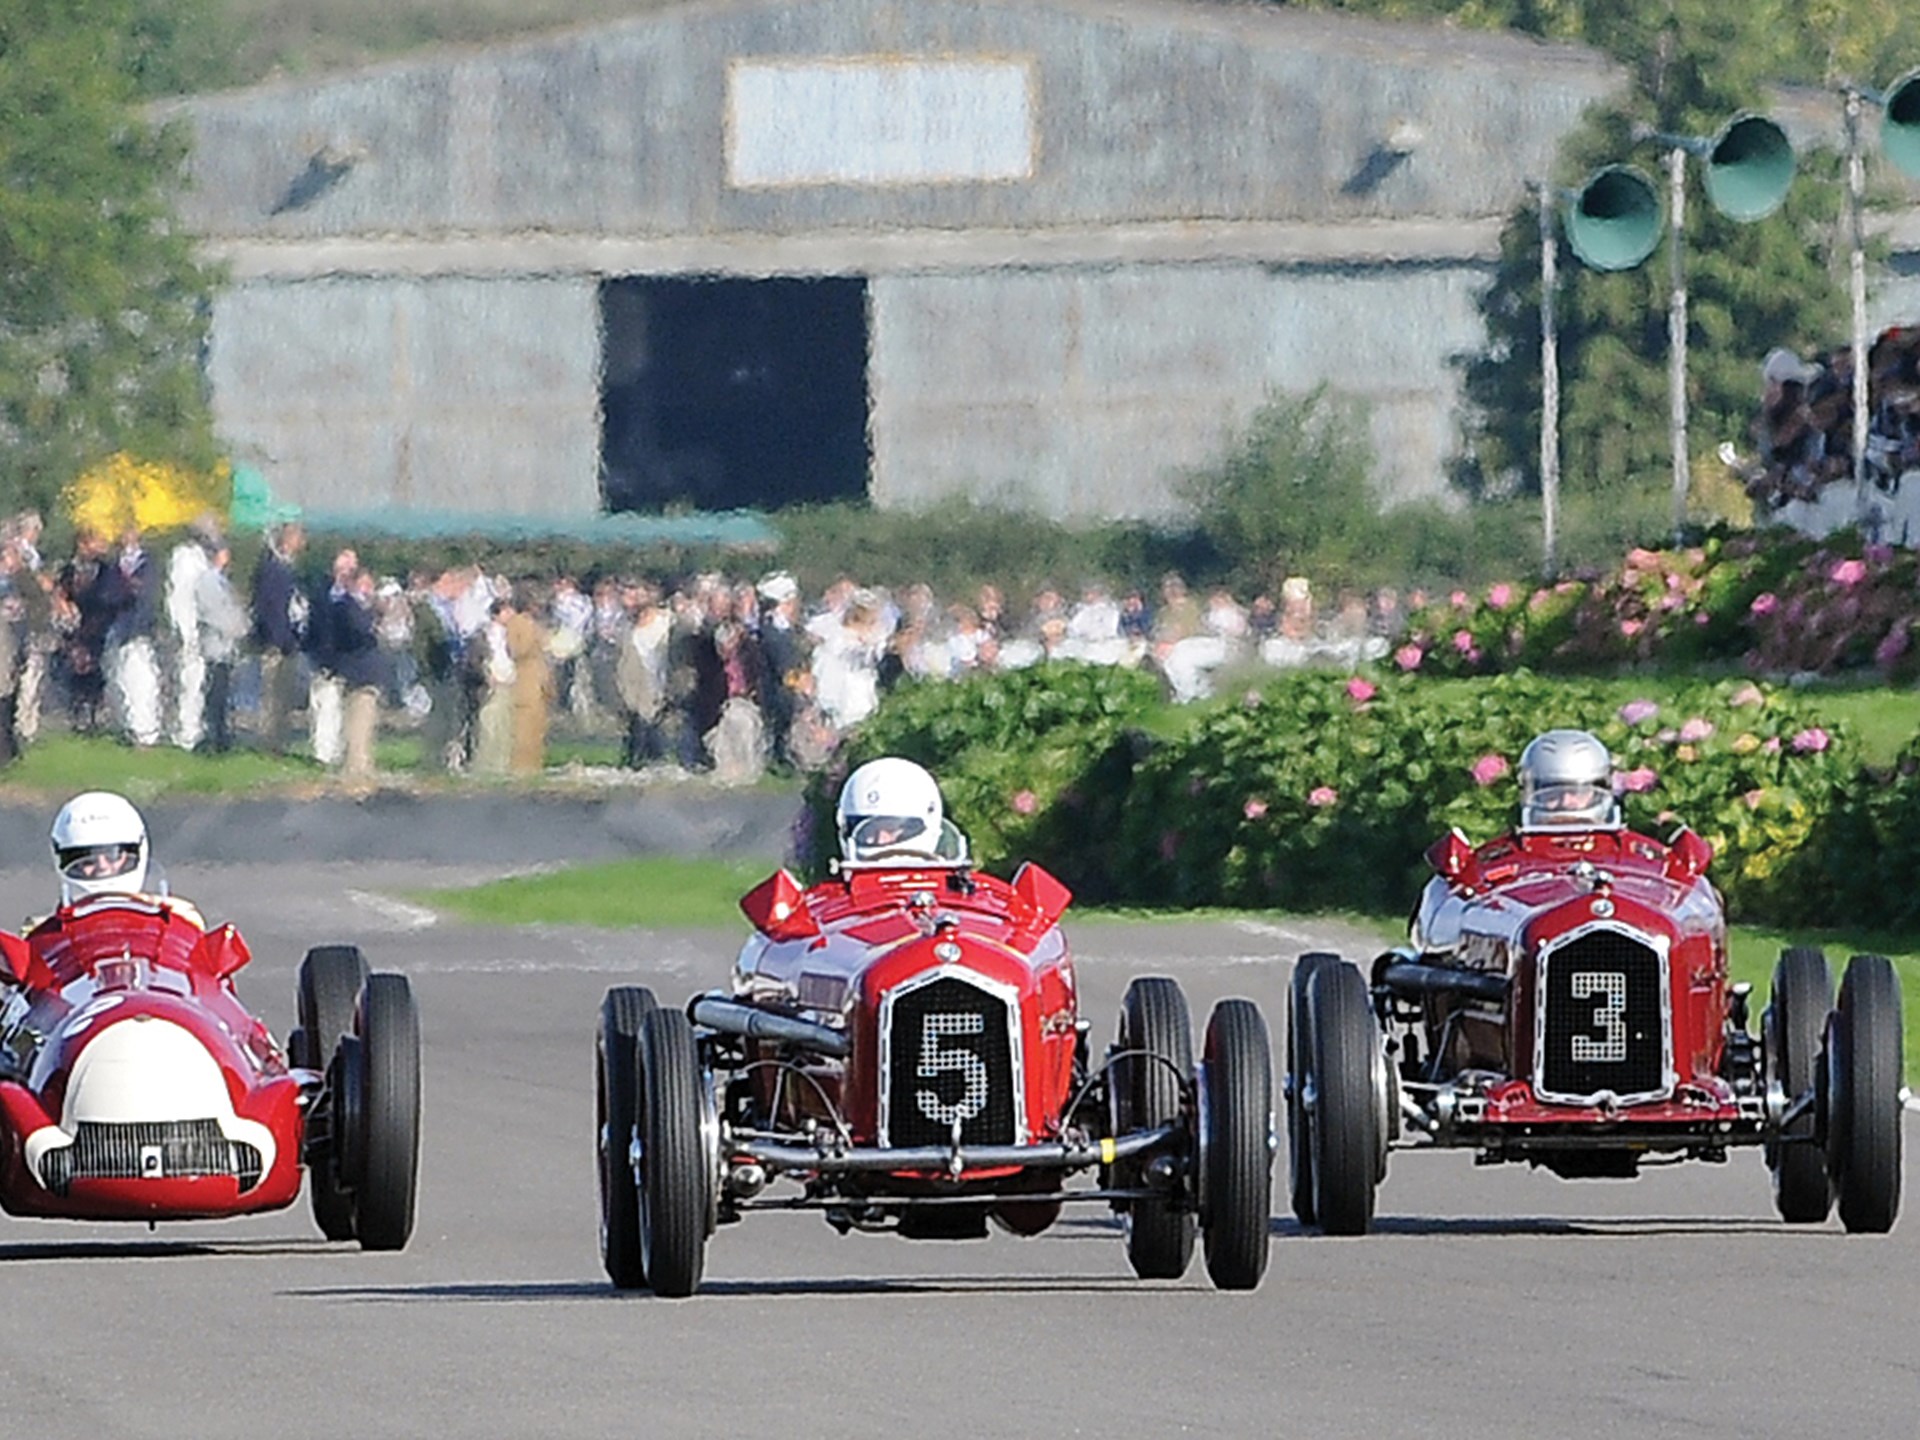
(735, 1018)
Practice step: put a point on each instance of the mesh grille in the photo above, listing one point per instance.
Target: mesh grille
(951, 1058)
(1603, 1027)
(163, 1150)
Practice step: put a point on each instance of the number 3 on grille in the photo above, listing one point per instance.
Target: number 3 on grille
(936, 1059)
(1610, 1015)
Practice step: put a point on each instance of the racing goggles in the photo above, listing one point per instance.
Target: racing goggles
(97, 862)
(1570, 803)
(875, 835)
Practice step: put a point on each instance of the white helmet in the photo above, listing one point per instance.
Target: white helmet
(99, 846)
(890, 806)
(1566, 783)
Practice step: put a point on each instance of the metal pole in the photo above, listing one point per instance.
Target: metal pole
(1677, 334)
(1857, 278)
(1549, 390)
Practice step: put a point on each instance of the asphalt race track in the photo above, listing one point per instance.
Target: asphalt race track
(1490, 1303)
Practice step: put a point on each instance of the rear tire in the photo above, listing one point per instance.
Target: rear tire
(390, 1142)
(1793, 1026)
(1238, 1182)
(330, 980)
(1299, 1146)
(675, 1185)
(1344, 1122)
(1864, 1066)
(1147, 1091)
(617, 1093)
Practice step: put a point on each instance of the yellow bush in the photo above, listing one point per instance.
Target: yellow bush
(125, 490)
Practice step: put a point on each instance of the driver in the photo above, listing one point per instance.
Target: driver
(890, 811)
(1566, 783)
(100, 848)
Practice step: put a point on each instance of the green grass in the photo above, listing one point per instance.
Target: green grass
(1754, 949)
(650, 891)
(64, 764)
(61, 764)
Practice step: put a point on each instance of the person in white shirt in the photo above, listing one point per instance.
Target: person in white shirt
(186, 564)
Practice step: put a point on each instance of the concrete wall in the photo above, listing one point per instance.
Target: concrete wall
(440, 394)
(1088, 392)
(1146, 111)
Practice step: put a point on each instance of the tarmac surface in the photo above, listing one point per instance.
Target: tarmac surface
(1490, 1302)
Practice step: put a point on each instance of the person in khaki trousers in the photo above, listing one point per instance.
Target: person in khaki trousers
(532, 690)
(360, 665)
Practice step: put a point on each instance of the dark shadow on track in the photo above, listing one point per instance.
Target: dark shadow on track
(1498, 1226)
(160, 1249)
(509, 1292)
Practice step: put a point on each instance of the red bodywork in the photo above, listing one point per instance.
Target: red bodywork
(1506, 909)
(117, 961)
(836, 952)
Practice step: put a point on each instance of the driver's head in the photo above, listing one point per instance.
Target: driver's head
(99, 846)
(890, 807)
(1566, 783)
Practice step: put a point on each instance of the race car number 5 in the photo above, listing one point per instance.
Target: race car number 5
(1610, 1015)
(937, 1059)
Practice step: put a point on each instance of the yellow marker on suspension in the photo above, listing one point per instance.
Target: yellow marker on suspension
(1107, 1150)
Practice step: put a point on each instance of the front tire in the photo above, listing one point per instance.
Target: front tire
(1344, 1115)
(1149, 1091)
(1299, 1044)
(390, 1098)
(617, 1096)
(1864, 1062)
(330, 980)
(675, 1185)
(1796, 1017)
(1237, 1184)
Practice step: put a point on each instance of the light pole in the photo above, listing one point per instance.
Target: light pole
(1900, 142)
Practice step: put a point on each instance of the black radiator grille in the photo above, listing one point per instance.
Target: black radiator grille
(950, 1057)
(102, 1151)
(1603, 1018)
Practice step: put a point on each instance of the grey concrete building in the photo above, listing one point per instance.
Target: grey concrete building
(736, 252)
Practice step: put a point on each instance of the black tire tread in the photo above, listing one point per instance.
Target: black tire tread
(390, 1043)
(616, 1089)
(1239, 1059)
(673, 1180)
(1797, 1007)
(328, 992)
(1154, 1019)
(1869, 1039)
(1345, 1123)
(1299, 1148)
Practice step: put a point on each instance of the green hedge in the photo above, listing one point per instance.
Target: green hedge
(1320, 791)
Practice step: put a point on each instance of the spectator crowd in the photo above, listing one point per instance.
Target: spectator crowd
(712, 674)
(1804, 430)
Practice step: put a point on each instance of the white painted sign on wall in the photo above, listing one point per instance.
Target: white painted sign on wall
(880, 120)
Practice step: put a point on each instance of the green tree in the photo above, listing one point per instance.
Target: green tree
(102, 304)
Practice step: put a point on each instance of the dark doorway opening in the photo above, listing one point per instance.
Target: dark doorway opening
(721, 394)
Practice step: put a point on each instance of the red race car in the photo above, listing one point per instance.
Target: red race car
(135, 1086)
(902, 1042)
(1564, 1001)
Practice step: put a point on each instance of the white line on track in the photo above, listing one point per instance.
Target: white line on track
(1275, 932)
(406, 916)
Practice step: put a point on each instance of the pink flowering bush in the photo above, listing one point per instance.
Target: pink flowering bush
(1350, 799)
(1310, 800)
(1780, 605)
